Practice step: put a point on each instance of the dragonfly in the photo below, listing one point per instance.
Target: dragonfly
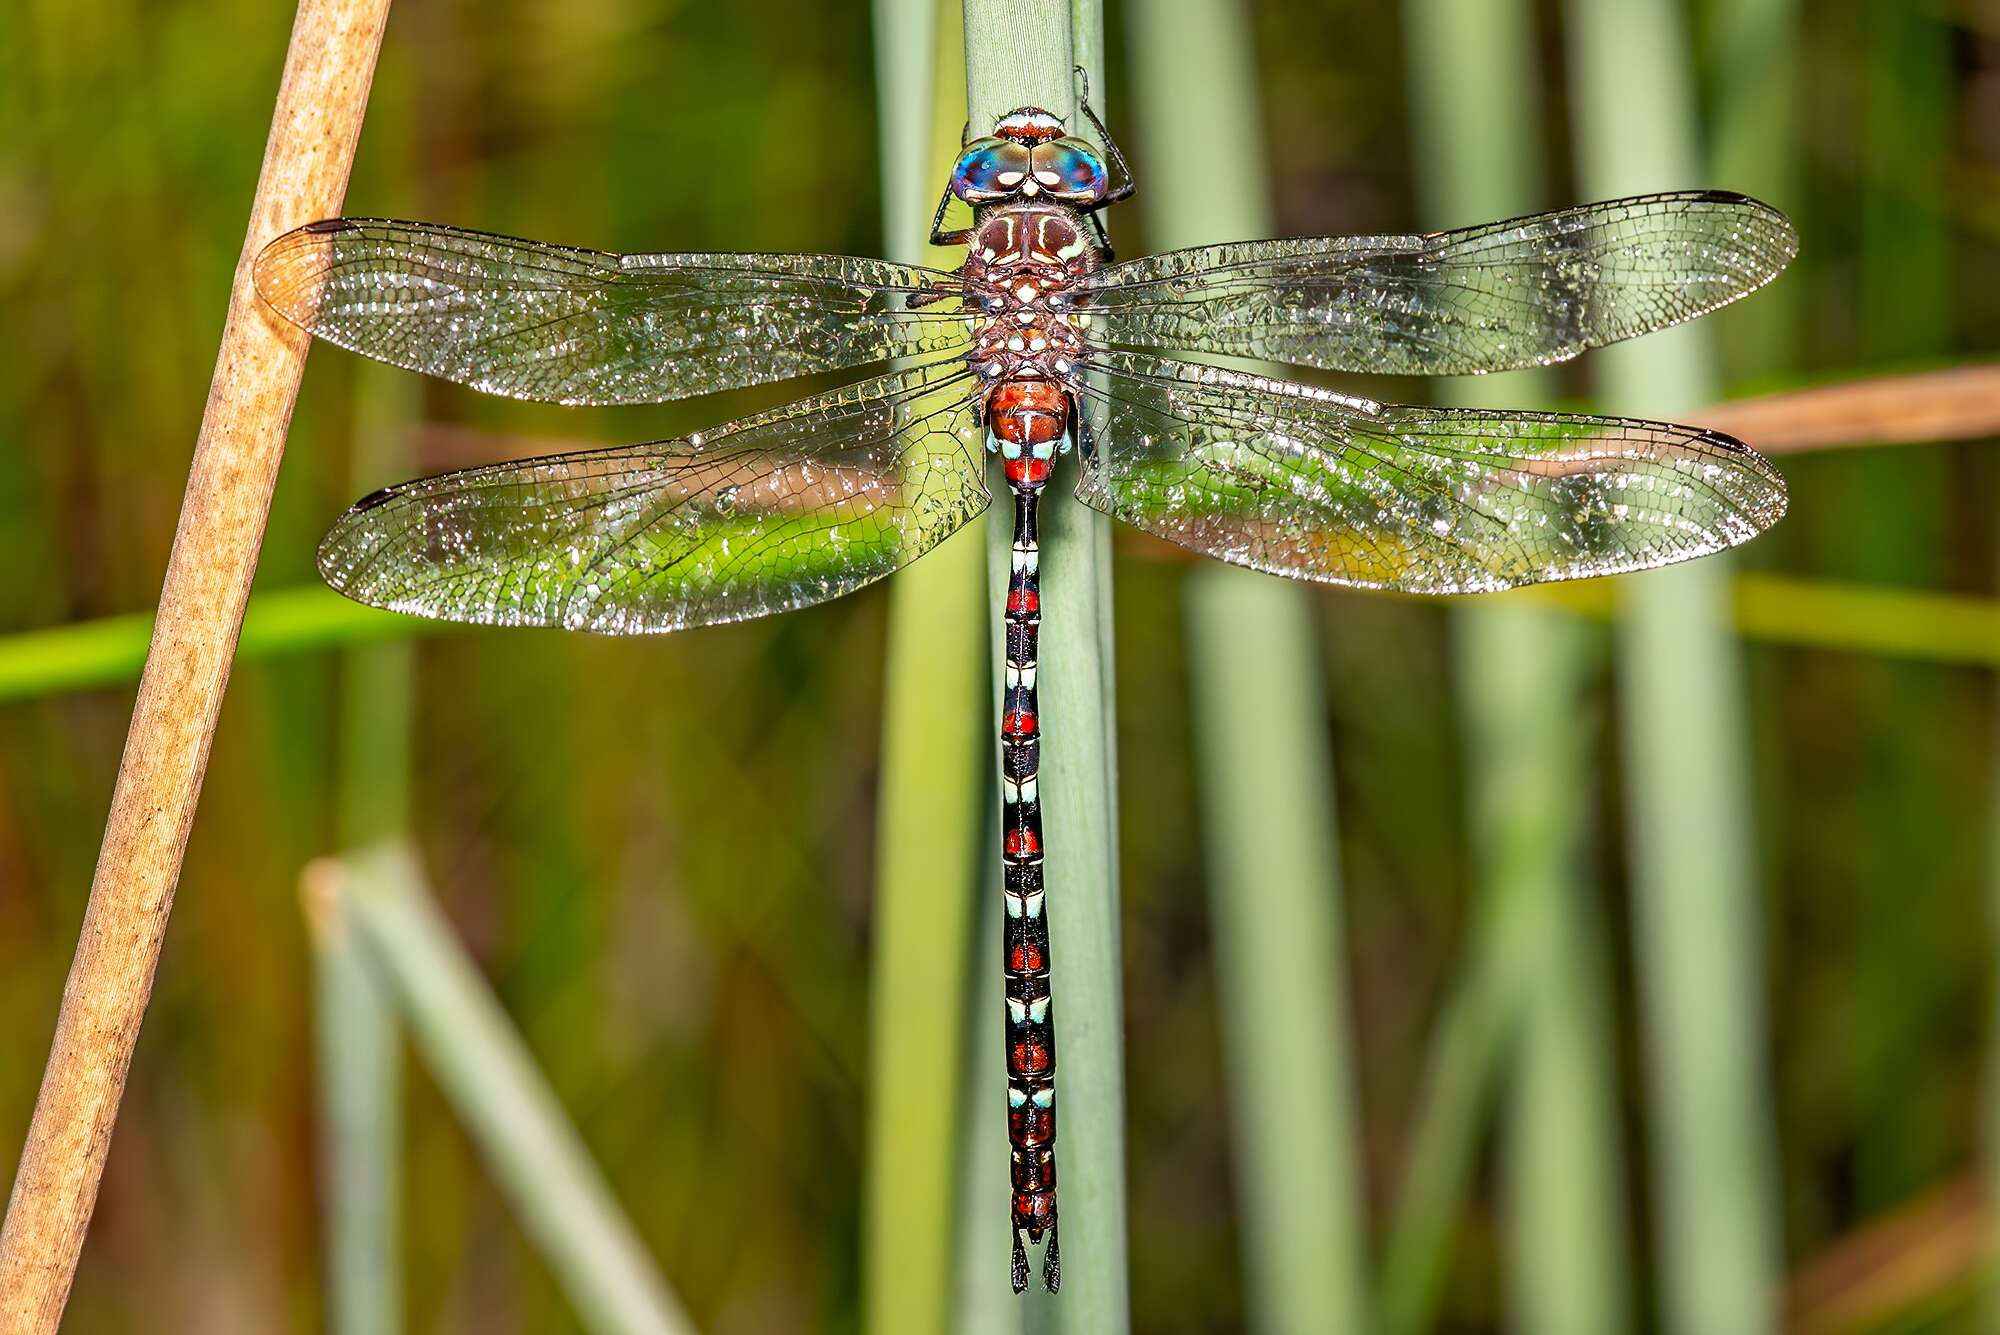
(1038, 346)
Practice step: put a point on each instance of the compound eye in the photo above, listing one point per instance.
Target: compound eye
(1071, 169)
(989, 169)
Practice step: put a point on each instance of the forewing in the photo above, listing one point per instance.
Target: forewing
(1304, 482)
(535, 321)
(791, 507)
(1506, 295)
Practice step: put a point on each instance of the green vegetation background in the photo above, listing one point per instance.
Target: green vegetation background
(662, 852)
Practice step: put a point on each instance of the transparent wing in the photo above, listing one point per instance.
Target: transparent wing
(777, 511)
(1506, 295)
(535, 321)
(1304, 482)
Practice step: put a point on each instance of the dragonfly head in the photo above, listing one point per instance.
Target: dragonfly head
(1028, 155)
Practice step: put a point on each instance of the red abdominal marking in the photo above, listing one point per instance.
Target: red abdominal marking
(1038, 1208)
(1029, 1057)
(1034, 1172)
(1028, 472)
(1029, 412)
(1030, 1126)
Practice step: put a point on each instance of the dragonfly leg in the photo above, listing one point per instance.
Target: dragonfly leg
(940, 237)
(930, 296)
(1126, 185)
(1107, 255)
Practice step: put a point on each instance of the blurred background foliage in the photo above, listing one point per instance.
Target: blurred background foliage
(661, 853)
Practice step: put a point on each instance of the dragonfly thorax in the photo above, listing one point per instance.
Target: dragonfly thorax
(1029, 343)
(1022, 272)
(1048, 236)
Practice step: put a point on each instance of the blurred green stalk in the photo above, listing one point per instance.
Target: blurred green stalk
(1989, 1309)
(110, 650)
(359, 1063)
(1265, 776)
(934, 782)
(488, 1076)
(358, 1071)
(1989, 1313)
(1695, 910)
(1522, 684)
(1462, 1066)
(1753, 62)
(1022, 52)
(1880, 521)
(1907, 119)
(982, 1302)
(1523, 677)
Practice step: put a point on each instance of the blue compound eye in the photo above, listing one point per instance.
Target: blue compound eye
(989, 169)
(1071, 169)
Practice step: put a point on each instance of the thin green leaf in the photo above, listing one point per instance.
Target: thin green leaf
(559, 1197)
(1266, 779)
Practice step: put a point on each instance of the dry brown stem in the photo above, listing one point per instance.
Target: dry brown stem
(1962, 403)
(306, 160)
(1893, 1264)
(1915, 408)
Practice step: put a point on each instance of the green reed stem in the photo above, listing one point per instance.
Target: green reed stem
(1523, 687)
(538, 1161)
(1697, 943)
(1021, 52)
(934, 785)
(1266, 778)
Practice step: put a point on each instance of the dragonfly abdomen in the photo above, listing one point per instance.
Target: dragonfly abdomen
(1031, 1041)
